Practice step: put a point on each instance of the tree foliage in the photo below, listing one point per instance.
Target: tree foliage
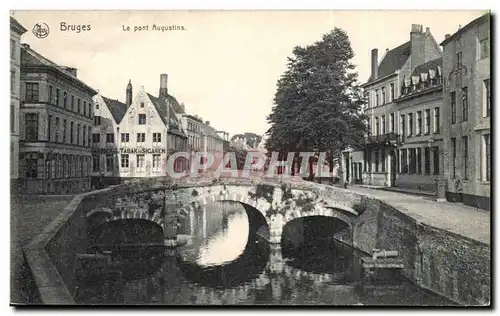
(252, 139)
(318, 102)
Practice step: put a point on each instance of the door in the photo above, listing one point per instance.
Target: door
(393, 168)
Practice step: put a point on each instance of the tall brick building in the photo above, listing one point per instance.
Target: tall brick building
(55, 127)
(404, 100)
(467, 112)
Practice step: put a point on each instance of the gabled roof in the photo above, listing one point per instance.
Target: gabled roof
(117, 109)
(431, 64)
(209, 131)
(174, 125)
(17, 27)
(393, 60)
(482, 18)
(31, 58)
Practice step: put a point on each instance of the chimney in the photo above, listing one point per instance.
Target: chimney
(128, 93)
(446, 36)
(417, 46)
(428, 30)
(71, 70)
(163, 86)
(374, 63)
(207, 122)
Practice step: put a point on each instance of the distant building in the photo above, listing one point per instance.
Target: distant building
(192, 126)
(467, 113)
(403, 92)
(212, 143)
(55, 127)
(16, 30)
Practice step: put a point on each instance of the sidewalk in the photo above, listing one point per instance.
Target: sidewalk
(461, 219)
(400, 190)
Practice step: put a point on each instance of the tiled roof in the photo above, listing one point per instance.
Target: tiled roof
(117, 109)
(431, 64)
(393, 60)
(30, 57)
(209, 130)
(174, 125)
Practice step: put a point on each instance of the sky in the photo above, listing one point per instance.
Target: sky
(224, 65)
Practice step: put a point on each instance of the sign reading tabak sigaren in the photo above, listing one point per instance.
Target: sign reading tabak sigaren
(142, 150)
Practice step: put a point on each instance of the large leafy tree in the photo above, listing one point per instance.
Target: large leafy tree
(318, 102)
(252, 139)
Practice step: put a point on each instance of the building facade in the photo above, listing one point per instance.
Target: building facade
(55, 127)
(149, 132)
(108, 114)
(212, 143)
(16, 31)
(395, 97)
(467, 112)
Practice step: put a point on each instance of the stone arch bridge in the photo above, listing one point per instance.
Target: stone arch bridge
(276, 203)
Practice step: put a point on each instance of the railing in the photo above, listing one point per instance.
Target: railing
(388, 138)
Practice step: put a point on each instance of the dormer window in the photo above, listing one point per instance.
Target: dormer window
(142, 104)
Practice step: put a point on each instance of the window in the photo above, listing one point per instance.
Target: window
(13, 118)
(383, 160)
(487, 96)
(124, 160)
(436, 120)
(78, 134)
(142, 104)
(97, 106)
(377, 126)
(84, 134)
(435, 156)
(376, 160)
(419, 123)
(31, 91)
(95, 163)
(367, 97)
(365, 160)
(110, 138)
(465, 104)
(156, 162)
(71, 133)
(419, 160)
(57, 96)
(413, 160)
(453, 157)
(403, 125)
(465, 150)
(369, 129)
(410, 124)
(89, 133)
(125, 137)
(391, 123)
(383, 95)
(453, 106)
(141, 137)
(487, 151)
(12, 80)
(64, 132)
(85, 108)
(427, 160)
(484, 48)
(89, 110)
(65, 99)
(72, 103)
(96, 138)
(427, 121)
(142, 119)
(459, 59)
(140, 163)
(97, 120)
(383, 124)
(377, 98)
(57, 129)
(31, 126)
(12, 48)
(32, 168)
(392, 97)
(404, 161)
(79, 110)
(156, 138)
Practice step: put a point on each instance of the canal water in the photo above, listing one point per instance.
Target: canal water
(227, 266)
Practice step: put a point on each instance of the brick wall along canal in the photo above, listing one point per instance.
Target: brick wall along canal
(223, 264)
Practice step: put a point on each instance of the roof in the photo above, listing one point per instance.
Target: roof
(393, 60)
(16, 26)
(31, 58)
(209, 131)
(431, 64)
(117, 108)
(466, 27)
(174, 126)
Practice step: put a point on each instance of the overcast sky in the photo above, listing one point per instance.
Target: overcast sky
(225, 64)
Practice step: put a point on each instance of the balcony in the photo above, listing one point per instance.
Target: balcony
(388, 139)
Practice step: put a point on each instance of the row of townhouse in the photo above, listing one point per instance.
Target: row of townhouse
(64, 133)
(429, 117)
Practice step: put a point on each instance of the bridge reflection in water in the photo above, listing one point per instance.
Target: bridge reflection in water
(225, 263)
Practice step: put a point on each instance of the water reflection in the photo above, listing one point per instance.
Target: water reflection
(229, 267)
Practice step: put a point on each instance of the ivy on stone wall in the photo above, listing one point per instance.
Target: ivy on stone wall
(287, 192)
(194, 193)
(263, 191)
